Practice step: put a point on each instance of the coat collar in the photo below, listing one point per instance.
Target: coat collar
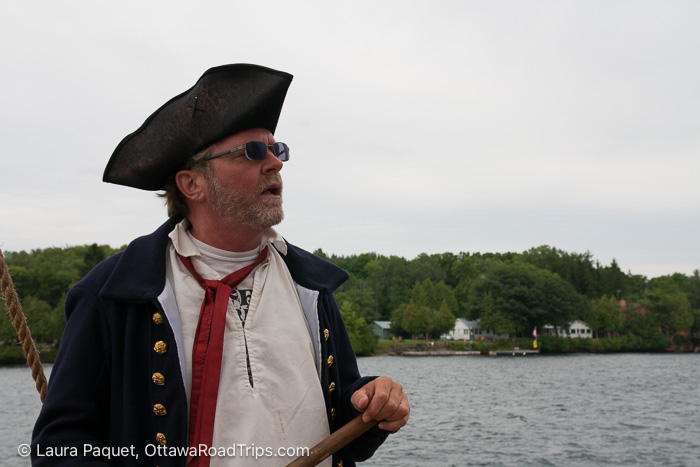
(139, 272)
(313, 272)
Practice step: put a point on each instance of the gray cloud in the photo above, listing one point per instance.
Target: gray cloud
(414, 127)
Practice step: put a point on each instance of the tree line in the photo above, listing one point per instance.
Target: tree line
(511, 293)
(42, 278)
(514, 293)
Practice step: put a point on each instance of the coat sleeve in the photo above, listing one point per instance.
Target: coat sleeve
(78, 388)
(348, 376)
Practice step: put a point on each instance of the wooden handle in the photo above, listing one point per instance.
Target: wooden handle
(336, 441)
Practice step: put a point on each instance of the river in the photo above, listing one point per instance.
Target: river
(573, 410)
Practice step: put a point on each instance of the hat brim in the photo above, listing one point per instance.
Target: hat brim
(224, 101)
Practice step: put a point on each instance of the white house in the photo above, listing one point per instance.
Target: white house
(576, 329)
(462, 329)
(580, 329)
(470, 331)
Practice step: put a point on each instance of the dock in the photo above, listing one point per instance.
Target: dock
(447, 353)
(513, 353)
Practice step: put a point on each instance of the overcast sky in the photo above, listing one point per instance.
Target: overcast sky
(432, 126)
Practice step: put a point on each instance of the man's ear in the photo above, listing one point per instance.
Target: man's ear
(192, 185)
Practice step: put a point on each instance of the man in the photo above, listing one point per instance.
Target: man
(212, 341)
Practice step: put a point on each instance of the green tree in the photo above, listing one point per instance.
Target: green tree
(431, 310)
(636, 287)
(415, 319)
(443, 320)
(431, 295)
(7, 330)
(613, 281)
(529, 296)
(605, 316)
(360, 293)
(642, 332)
(42, 279)
(389, 281)
(397, 318)
(495, 318)
(45, 324)
(691, 287)
(361, 335)
(695, 328)
(47, 274)
(321, 254)
(425, 267)
(671, 306)
(354, 264)
(464, 272)
(576, 268)
(92, 256)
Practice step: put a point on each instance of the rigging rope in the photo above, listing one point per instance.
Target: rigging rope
(20, 323)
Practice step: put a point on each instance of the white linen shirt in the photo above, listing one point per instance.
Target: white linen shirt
(284, 406)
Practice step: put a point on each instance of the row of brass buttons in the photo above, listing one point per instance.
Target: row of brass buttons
(329, 363)
(331, 387)
(158, 379)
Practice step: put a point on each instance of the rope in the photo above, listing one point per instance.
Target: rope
(20, 323)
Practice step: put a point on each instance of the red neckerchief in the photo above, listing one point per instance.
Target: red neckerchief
(206, 354)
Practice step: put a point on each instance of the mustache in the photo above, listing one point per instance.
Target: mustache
(264, 184)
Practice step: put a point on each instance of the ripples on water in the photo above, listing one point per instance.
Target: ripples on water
(578, 410)
(20, 407)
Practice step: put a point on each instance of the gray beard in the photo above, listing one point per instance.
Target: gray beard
(230, 204)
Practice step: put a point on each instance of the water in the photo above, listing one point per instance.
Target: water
(20, 407)
(578, 410)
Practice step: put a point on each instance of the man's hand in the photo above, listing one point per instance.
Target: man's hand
(384, 400)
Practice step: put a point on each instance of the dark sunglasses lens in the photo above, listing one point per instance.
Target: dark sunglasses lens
(256, 150)
(281, 150)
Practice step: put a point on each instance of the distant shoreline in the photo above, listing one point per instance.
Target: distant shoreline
(14, 356)
(546, 346)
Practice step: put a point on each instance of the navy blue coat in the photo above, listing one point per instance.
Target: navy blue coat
(109, 387)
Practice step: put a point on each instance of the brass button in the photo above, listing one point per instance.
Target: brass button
(332, 414)
(158, 379)
(160, 439)
(329, 362)
(157, 318)
(326, 334)
(331, 388)
(160, 347)
(159, 410)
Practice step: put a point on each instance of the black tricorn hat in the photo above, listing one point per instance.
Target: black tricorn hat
(225, 100)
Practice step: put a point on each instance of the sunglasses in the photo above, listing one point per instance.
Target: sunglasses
(257, 151)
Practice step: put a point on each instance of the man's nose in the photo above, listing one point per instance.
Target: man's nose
(272, 163)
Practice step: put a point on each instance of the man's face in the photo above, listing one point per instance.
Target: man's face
(247, 192)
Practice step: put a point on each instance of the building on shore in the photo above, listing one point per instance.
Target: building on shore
(382, 329)
(471, 331)
(577, 329)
